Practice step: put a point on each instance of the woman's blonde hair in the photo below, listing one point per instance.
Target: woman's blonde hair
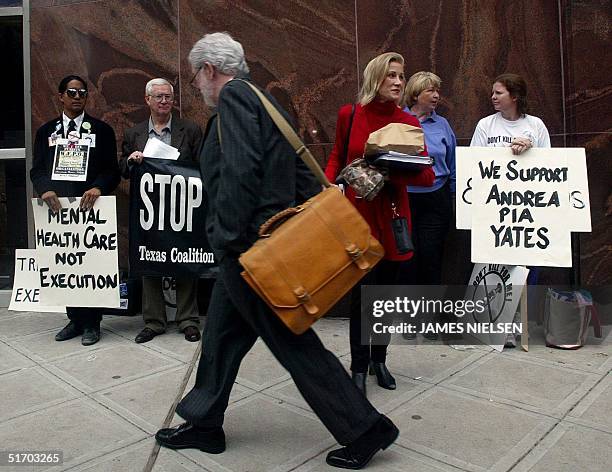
(420, 81)
(375, 73)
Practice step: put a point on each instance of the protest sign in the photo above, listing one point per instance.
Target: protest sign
(518, 211)
(71, 159)
(578, 216)
(167, 220)
(77, 253)
(26, 284)
(500, 286)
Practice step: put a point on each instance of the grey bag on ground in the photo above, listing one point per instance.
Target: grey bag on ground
(567, 317)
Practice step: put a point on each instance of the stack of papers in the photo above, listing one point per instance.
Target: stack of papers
(159, 150)
(398, 160)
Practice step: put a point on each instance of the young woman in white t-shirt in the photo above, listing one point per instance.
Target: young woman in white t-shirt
(511, 126)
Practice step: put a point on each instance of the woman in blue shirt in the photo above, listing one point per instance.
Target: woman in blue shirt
(431, 207)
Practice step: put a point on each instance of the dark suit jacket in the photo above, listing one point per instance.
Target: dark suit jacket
(256, 175)
(185, 135)
(102, 169)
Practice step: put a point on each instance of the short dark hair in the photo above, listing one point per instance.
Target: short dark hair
(517, 87)
(63, 85)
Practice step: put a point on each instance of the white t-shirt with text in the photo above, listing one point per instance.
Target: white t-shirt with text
(496, 131)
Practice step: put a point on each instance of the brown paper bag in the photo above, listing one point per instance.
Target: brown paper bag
(398, 137)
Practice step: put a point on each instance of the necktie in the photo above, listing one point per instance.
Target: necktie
(71, 127)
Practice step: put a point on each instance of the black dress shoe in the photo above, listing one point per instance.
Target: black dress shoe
(187, 436)
(192, 334)
(384, 377)
(145, 336)
(359, 379)
(68, 332)
(90, 336)
(358, 453)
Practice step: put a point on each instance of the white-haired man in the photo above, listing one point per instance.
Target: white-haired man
(252, 175)
(186, 136)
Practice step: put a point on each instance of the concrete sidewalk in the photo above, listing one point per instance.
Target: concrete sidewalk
(545, 410)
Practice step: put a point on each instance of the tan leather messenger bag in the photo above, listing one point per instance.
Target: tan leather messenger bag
(310, 256)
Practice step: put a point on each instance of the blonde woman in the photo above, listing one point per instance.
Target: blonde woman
(378, 105)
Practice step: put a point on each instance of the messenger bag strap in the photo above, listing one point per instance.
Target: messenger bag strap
(291, 136)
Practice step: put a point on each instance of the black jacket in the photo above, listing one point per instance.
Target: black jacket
(102, 170)
(256, 175)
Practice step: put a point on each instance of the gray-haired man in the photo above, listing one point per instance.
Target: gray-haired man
(186, 136)
(255, 175)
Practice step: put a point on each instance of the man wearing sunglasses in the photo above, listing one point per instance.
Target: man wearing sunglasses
(101, 179)
(184, 135)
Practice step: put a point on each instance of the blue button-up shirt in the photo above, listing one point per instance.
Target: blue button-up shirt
(441, 143)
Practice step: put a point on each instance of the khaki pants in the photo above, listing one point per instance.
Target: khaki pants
(154, 307)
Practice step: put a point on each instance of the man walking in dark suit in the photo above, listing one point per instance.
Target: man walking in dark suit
(250, 175)
(186, 136)
(102, 178)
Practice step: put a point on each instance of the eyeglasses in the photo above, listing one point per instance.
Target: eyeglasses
(194, 76)
(160, 98)
(72, 92)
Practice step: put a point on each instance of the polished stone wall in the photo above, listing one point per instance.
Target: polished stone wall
(310, 54)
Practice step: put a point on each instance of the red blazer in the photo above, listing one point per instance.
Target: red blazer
(378, 212)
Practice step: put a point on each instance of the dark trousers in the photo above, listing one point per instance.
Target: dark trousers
(431, 215)
(236, 318)
(384, 273)
(84, 317)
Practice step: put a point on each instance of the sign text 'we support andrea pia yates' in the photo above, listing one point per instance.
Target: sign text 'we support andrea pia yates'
(522, 209)
(167, 220)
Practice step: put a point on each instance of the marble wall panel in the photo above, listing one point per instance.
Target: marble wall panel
(468, 43)
(596, 247)
(311, 54)
(303, 52)
(117, 46)
(587, 35)
(586, 42)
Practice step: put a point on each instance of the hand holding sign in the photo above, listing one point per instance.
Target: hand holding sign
(89, 198)
(520, 145)
(50, 198)
(136, 157)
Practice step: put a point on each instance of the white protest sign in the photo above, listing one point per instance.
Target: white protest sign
(578, 217)
(500, 286)
(77, 253)
(26, 284)
(519, 210)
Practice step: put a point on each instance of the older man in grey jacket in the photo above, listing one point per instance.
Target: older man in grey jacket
(186, 136)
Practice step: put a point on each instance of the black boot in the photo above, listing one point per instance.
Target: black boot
(358, 453)
(359, 379)
(384, 377)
